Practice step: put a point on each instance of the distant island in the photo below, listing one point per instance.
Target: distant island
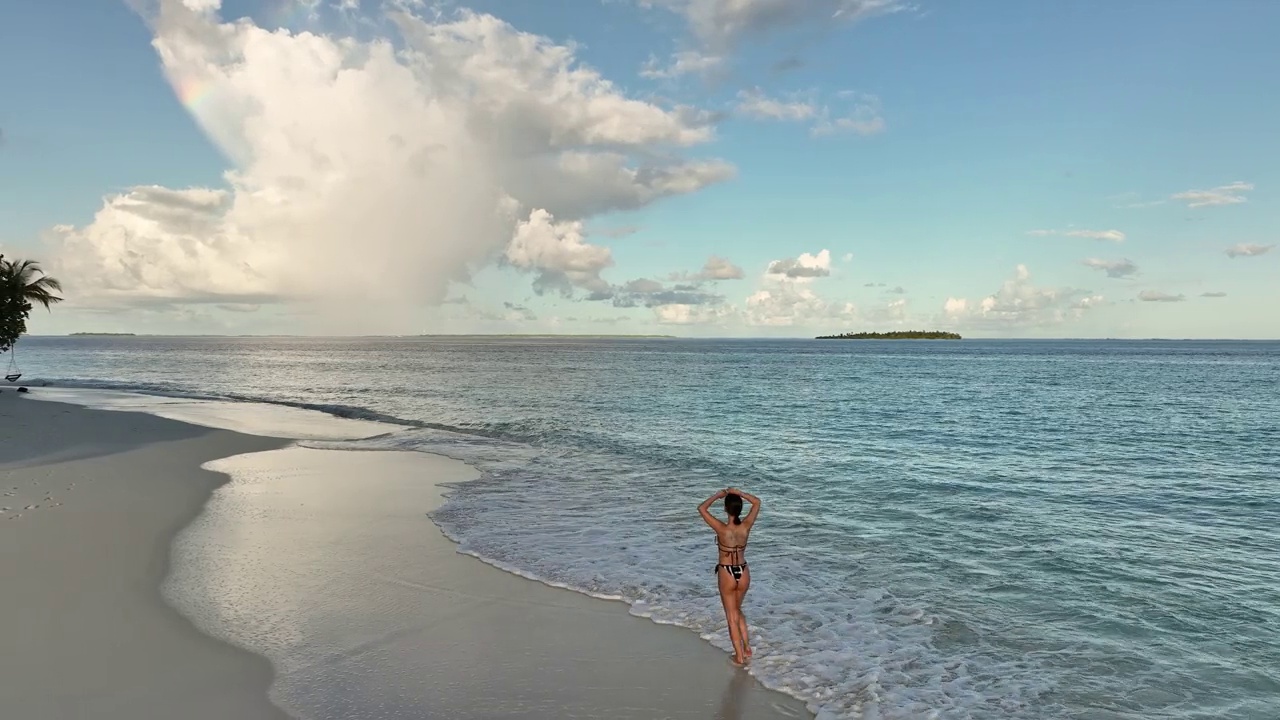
(98, 334)
(896, 335)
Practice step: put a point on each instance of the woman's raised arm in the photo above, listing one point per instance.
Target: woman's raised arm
(705, 509)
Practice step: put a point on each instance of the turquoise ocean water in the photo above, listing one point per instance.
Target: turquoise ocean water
(972, 529)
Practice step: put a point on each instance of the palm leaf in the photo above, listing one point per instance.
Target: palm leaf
(19, 278)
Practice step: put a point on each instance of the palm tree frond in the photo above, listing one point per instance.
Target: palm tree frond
(18, 278)
(48, 282)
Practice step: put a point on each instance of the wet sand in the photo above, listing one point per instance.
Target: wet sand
(322, 563)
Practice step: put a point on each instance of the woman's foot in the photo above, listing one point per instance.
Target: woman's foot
(748, 653)
(737, 661)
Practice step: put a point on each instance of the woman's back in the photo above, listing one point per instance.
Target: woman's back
(731, 541)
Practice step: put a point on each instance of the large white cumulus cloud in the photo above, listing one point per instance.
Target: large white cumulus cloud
(379, 169)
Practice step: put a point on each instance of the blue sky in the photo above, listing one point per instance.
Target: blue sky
(1054, 169)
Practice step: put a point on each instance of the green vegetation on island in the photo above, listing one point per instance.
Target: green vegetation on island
(895, 335)
(23, 285)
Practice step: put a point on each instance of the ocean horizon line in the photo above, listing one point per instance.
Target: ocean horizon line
(605, 336)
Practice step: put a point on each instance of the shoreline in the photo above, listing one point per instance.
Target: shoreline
(96, 501)
(589, 672)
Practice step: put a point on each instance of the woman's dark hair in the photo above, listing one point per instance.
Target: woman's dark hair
(733, 506)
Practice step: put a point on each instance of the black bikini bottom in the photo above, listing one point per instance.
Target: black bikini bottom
(734, 570)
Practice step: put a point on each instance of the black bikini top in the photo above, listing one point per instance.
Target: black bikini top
(735, 551)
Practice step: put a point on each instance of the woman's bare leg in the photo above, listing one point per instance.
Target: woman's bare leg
(743, 585)
(729, 599)
(742, 633)
(734, 620)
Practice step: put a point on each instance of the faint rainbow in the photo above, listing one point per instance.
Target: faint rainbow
(193, 92)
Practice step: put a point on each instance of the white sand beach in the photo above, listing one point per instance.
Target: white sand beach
(91, 503)
(315, 585)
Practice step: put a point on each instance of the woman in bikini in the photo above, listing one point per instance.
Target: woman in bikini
(731, 570)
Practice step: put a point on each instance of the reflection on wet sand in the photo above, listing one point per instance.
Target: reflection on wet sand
(731, 698)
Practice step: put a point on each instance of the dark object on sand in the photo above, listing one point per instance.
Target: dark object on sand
(22, 389)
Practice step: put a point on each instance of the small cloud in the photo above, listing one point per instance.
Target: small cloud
(688, 62)
(1020, 303)
(848, 257)
(724, 27)
(518, 312)
(1086, 302)
(1157, 296)
(1111, 235)
(755, 104)
(715, 268)
(1113, 268)
(899, 290)
(644, 292)
(1213, 295)
(863, 117)
(859, 114)
(642, 285)
(1231, 194)
(1248, 250)
(893, 311)
(684, 314)
(718, 268)
(617, 232)
(805, 266)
